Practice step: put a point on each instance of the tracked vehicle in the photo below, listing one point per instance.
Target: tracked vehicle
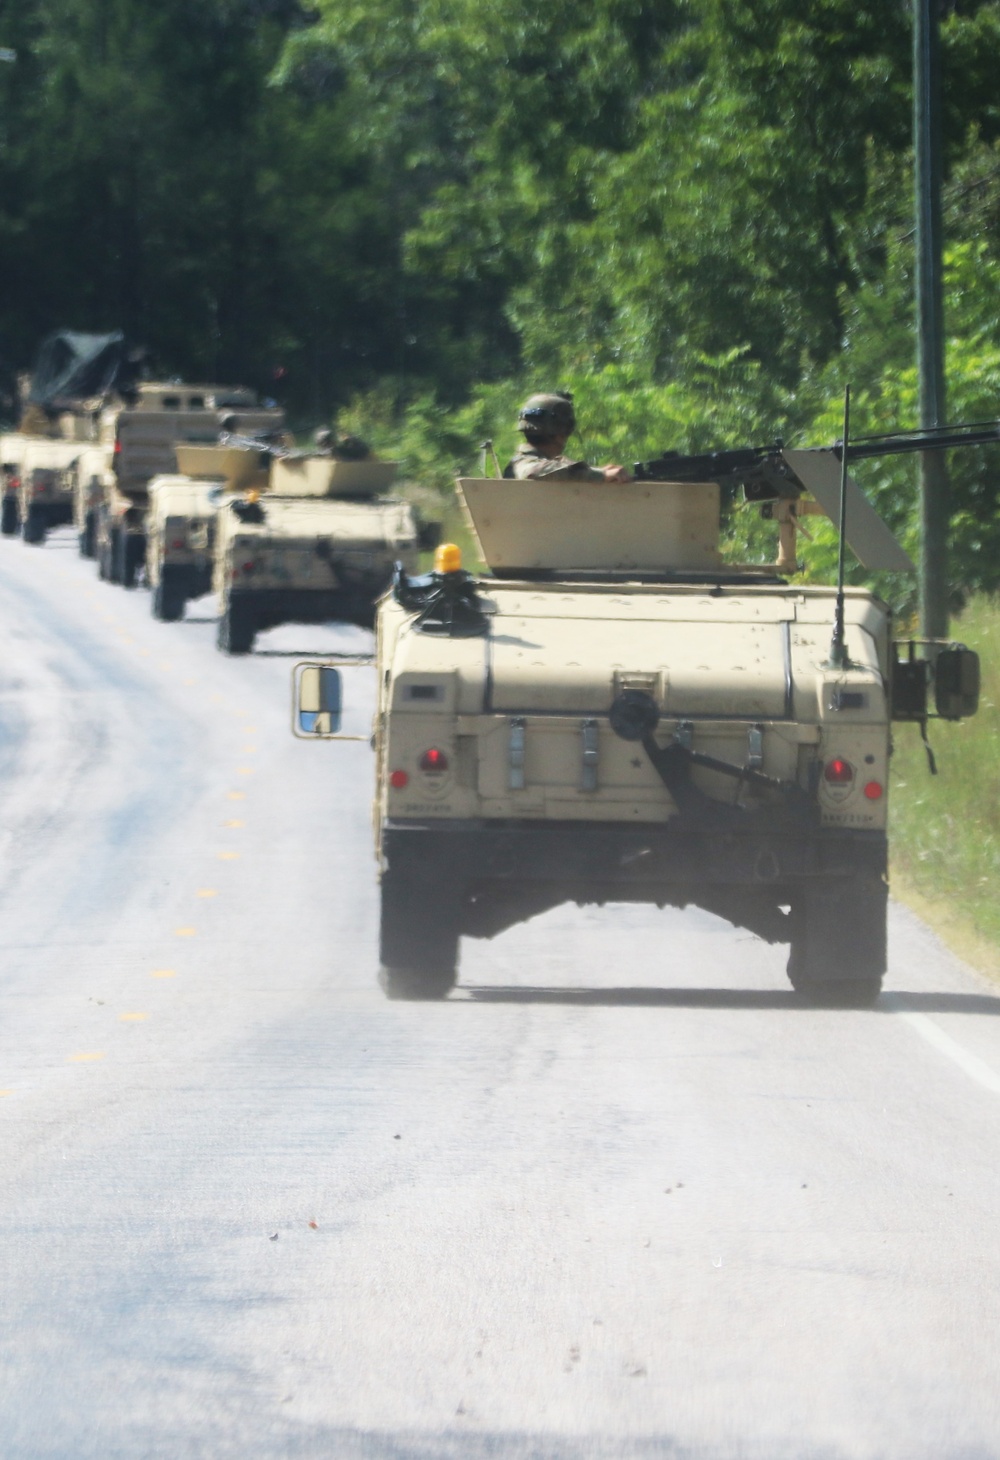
(320, 546)
(618, 715)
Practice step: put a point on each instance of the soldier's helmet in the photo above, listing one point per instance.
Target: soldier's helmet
(351, 448)
(547, 415)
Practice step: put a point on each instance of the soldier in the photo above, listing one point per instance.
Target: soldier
(547, 422)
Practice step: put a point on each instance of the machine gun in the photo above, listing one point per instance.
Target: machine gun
(777, 476)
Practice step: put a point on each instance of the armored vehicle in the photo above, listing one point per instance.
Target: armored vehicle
(141, 436)
(321, 546)
(182, 517)
(619, 715)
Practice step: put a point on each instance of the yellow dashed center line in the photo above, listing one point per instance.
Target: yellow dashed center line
(235, 824)
(228, 856)
(244, 770)
(132, 1018)
(249, 729)
(82, 1059)
(5, 1092)
(206, 892)
(237, 795)
(185, 932)
(163, 973)
(189, 681)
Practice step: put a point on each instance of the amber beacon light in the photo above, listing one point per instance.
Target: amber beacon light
(448, 558)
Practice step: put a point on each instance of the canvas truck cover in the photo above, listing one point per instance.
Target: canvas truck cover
(74, 367)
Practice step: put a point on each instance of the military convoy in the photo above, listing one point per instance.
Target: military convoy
(616, 714)
(140, 435)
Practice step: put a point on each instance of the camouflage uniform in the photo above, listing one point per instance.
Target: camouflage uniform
(530, 464)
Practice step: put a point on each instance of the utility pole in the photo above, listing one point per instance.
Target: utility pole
(934, 485)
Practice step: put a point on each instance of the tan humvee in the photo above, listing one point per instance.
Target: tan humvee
(45, 488)
(12, 444)
(320, 546)
(617, 715)
(182, 516)
(93, 481)
(142, 435)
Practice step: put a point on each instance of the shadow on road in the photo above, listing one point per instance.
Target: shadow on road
(643, 997)
(684, 998)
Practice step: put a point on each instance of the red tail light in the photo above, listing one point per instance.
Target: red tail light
(118, 448)
(434, 761)
(178, 542)
(838, 772)
(873, 791)
(398, 780)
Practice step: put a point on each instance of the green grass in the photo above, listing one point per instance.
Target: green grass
(945, 829)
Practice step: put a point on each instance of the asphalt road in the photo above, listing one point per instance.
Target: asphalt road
(619, 1196)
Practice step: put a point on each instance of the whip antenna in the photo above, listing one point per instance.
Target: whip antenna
(838, 651)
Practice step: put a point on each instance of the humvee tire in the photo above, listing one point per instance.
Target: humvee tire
(10, 517)
(169, 597)
(33, 530)
(88, 537)
(238, 625)
(129, 552)
(109, 564)
(418, 943)
(838, 950)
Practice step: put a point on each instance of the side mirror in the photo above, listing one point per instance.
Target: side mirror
(956, 682)
(319, 704)
(952, 670)
(320, 700)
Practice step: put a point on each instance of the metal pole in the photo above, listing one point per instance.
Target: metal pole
(934, 486)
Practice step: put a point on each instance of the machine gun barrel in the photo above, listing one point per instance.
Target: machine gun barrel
(937, 438)
(765, 473)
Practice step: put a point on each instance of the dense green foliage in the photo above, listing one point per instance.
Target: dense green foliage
(695, 213)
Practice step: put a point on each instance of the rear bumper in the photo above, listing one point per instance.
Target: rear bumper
(596, 861)
(272, 606)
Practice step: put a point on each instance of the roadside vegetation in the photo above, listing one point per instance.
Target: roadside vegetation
(945, 841)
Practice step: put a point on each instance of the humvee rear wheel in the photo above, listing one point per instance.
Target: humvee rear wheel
(838, 951)
(168, 597)
(238, 625)
(418, 936)
(416, 983)
(88, 537)
(10, 517)
(110, 556)
(33, 530)
(128, 556)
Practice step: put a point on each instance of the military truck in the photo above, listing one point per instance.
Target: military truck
(182, 517)
(320, 546)
(617, 714)
(141, 436)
